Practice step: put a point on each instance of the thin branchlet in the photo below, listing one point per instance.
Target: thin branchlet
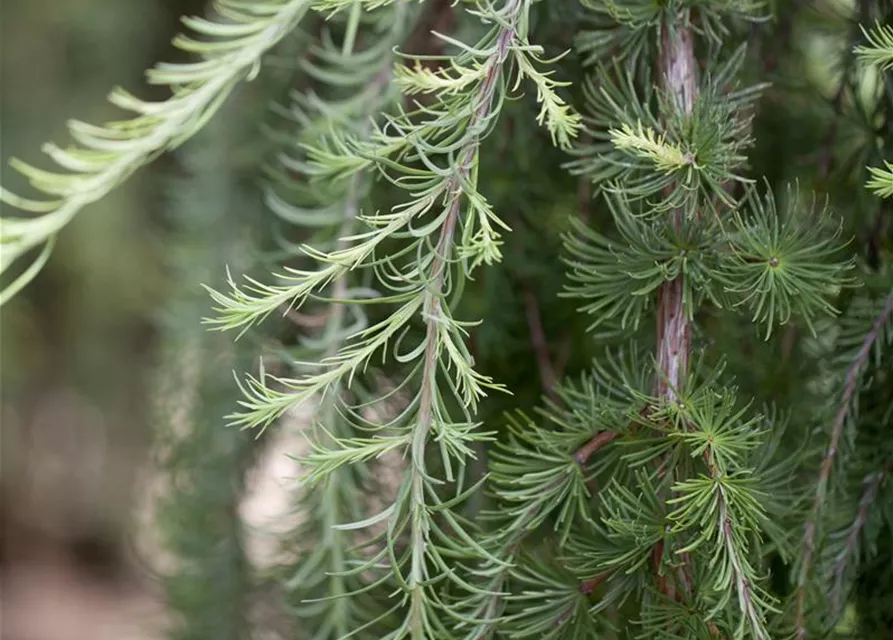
(431, 308)
(848, 553)
(850, 388)
(677, 76)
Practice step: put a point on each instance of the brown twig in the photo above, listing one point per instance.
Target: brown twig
(548, 379)
(597, 441)
(431, 309)
(677, 66)
(809, 530)
(588, 586)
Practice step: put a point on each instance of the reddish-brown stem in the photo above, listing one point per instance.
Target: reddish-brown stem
(548, 378)
(588, 586)
(594, 444)
(677, 67)
(666, 586)
(849, 391)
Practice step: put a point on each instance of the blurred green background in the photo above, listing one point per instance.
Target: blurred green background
(77, 345)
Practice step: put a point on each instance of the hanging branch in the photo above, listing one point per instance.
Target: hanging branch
(230, 52)
(447, 228)
(851, 382)
(870, 488)
(676, 71)
(677, 67)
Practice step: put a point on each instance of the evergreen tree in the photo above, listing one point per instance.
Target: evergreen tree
(592, 303)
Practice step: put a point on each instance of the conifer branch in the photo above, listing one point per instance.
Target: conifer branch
(434, 153)
(485, 605)
(879, 50)
(230, 52)
(676, 69)
(677, 66)
(209, 585)
(431, 307)
(808, 541)
(842, 560)
(666, 521)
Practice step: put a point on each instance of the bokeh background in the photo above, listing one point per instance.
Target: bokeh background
(77, 345)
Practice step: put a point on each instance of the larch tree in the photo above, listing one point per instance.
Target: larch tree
(590, 304)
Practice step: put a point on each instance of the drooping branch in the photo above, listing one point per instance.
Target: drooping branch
(869, 490)
(850, 388)
(431, 308)
(677, 67)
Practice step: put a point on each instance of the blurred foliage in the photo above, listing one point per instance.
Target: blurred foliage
(76, 346)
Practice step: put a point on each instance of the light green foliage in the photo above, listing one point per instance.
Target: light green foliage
(639, 138)
(881, 181)
(878, 53)
(431, 155)
(230, 51)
